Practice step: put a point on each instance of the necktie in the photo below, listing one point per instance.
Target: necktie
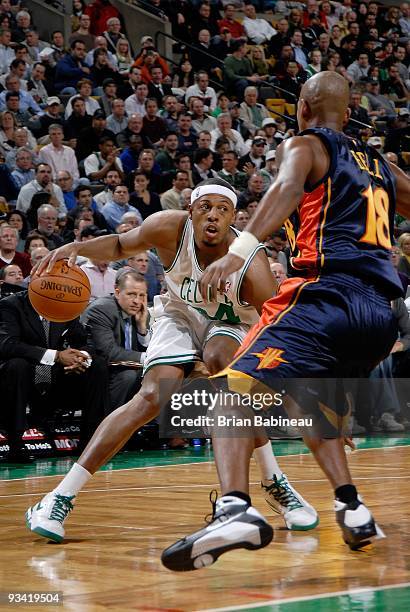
(128, 334)
(42, 375)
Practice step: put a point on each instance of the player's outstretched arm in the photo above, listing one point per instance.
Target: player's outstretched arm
(296, 158)
(159, 230)
(402, 191)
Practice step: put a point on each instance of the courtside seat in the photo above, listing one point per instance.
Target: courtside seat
(275, 104)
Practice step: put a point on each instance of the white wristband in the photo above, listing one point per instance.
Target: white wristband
(244, 245)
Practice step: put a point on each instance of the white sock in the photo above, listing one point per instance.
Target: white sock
(266, 460)
(74, 481)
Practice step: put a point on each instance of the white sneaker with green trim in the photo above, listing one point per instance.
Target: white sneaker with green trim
(285, 500)
(47, 517)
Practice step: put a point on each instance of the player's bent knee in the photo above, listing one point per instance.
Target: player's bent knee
(149, 395)
(215, 362)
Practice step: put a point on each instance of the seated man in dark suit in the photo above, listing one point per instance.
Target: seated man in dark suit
(48, 366)
(156, 88)
(118, 326)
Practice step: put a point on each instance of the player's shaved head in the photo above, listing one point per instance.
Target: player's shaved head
(324, 99)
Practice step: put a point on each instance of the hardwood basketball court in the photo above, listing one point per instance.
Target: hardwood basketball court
(142, 502)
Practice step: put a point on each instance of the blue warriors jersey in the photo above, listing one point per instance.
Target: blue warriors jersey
(345, 223)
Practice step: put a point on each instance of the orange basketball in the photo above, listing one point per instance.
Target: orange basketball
(61, 294)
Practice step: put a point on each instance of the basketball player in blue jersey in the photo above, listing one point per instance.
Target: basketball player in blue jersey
(336, 198)
(186, 329)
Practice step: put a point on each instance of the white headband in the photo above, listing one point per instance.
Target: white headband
(198, 192)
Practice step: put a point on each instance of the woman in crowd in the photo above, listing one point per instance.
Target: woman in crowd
(404, 263)
(8, 124)
(123, 56)
(295, 21)
(5, 23)
(145, 201)
(391, 24)
(33, 241)
(335, 37)
(361, 12)
(258, 60)
(184, 75)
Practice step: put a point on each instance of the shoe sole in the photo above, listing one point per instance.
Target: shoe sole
(40, 531)
(358, 537)
(290, 526)
(303, 527)
(178, 557)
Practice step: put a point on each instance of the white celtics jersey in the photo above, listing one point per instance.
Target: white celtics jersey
(183, 278)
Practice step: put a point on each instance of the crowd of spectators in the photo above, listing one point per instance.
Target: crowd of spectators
(98, 132)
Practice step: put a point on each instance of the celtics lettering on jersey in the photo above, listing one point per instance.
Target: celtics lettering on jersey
(190, 293)
(183, 282)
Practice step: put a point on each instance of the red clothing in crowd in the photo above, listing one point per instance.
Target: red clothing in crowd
(99, 11)
(236, 29)
(20, 259)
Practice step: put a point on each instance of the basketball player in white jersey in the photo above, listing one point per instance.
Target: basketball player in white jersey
(186, 329)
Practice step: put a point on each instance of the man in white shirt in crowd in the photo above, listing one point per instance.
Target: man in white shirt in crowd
(101, 277)
(259, 31)
(201, 120)
(251, 111)
(36, 83)
(41, 182)
(203, 91)
(136, 102)
(118, 120)
(171, 199)
(7, 54)
(97, 165)
(58, 156)
(236, 142)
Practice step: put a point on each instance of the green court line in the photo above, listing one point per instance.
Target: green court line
(144, 459)
(377, 599)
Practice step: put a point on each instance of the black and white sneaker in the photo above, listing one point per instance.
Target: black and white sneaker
(357, 524)
(234, 524)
